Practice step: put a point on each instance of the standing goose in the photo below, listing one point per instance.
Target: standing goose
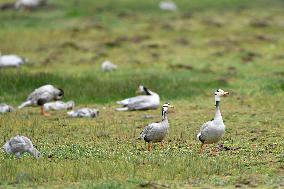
(19, 145)
(156, 132)
(150, 100)
(42, 95)
(212, 131)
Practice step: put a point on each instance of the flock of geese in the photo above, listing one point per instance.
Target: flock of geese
(47, 98)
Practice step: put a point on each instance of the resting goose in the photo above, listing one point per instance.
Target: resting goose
(168, 5)
(19, 145)
(42, 95)
(59, 105)
(156, 132)
(108, 66)
(84, 112)
(212, 131)
(29, 4)
(11, 60)
(4, 108)
(150, 100)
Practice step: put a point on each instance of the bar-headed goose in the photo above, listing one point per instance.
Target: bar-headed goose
(20, 144)
(156, 132)
(29, 4)
(84, 112)
(108, 66)
(59, 105)
(42, 95)
(4, 108)
(11, 60)
(150, 100)
(212, 131)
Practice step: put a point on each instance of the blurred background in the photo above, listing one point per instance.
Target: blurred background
(180, 48)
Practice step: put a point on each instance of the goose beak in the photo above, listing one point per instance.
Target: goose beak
(226, 93)
(170, 106)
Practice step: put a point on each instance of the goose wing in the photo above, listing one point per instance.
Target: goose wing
(17, 144)
(147, 134)
(202, 135)
(133, 100)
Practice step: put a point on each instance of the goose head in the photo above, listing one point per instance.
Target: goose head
(219, 93)
(35, 153)
(166, 107)
(60, 95)
(142, 90)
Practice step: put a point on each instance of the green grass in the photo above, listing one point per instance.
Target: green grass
(66, 43)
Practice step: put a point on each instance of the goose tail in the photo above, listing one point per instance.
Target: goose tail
(24, 104)
(122, 109)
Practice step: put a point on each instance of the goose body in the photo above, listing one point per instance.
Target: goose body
(212, 131)
(19, 145)
(156, 132)
(42, 95)
(108, 66)
(84, 112)
(59, 105)
(150, 100)
(168, 5)
(11, 61)
(29, 4)
(4, 108)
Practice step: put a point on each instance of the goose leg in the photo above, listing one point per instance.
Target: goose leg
(202, 148)
(43, 112)
(149, 146)
(162, 144)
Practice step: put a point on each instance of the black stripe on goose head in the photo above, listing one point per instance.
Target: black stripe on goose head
(61, 93)
(146, 91)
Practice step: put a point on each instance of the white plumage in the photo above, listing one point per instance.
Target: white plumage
(45, 94)
(20, 144)
(150, 100)
(212, 131)
(156, 132)
(29, 4)
(11, 61)
(84, 112)
(4, 108)
(168, 5)
(59, 105)
(108, 66)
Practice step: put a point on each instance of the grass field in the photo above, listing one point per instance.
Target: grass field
(236, 45)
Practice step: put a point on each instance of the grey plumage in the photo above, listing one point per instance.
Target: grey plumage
(149, 100)
(4, 108)
(59, 105)
(156, 132)
(20, 144)
(43, 95)
(84, 112)
(212, 131)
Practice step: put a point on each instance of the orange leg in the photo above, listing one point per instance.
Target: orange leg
(149, 146)
(43, 112)
(162, 144)
(215, 151)
(202, 148)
